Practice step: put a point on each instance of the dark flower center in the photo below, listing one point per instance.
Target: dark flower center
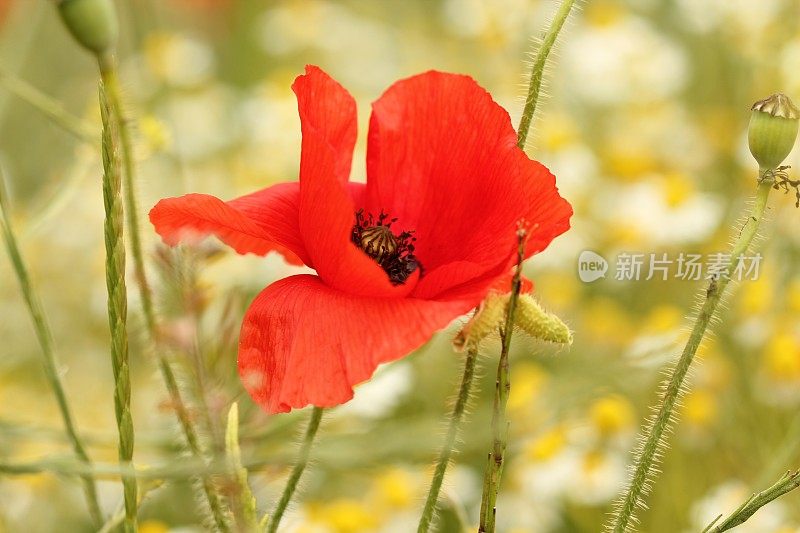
(394, 253)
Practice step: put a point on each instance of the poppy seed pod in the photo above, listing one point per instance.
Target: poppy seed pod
(773, 130)
(93, 23)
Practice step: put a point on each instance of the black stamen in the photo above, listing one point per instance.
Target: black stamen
(394, 253)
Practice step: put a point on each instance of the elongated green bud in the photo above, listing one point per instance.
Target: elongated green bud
(773, 129)
(540, 324)
(93, 23)
(529, 317)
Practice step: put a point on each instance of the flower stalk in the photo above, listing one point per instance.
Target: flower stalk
(496, 457)
(118, 303)
(537, 71)
(771, 135)
(448, 447)
(531, 100)
(45, 338)
(297, 471)
(646, 460)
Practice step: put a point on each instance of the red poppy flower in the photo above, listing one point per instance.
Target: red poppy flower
(398, 258)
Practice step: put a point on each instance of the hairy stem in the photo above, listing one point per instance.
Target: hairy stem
(537, 71)
(45, 338)
(646, 460)
(494, 466)
(297, 471)
(531, 100)
(453, 428)
(787, 483)
(117, 302)
(108, 73)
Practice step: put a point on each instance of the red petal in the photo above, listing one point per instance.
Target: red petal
(327, 211)
(442, 157)
(257, 223)
(303, 342)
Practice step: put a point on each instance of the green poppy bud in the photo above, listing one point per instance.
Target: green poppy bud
(93, 23)
(529, 317)
(773, 129)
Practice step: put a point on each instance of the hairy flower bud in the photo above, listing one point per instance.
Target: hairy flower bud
(540, 324)
(529, 317)
(773, 129)
(93, 23)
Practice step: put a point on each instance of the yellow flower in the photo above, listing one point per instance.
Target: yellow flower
(560, 290)
(547, 445)
(677, 188)
(344, 515)
(605, 321)
(529, 379)
(663, 319)
(153, 526)
(628, 158)
(396, 487)
(155, 133)
(700, 407)
(793, 296)
(557, 132)
(604, 13)
(612, 414)
(757, 296)
(782, 358)
(592, 461)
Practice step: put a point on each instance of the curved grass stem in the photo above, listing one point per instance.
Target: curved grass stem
(45, 338)
(52, 109)
(453, 428)
(297, 471)
(118, 303)
(108, 73)
(646, 460)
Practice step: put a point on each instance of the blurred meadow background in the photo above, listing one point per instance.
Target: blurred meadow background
(644, 126)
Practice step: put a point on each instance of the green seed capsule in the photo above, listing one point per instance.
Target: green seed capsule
(773, 129)
(93, 23)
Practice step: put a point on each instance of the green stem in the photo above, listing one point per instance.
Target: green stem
(108, 73)
(297, 471)
(118, 302)
(494, 466)
(531, 100)
(537, 71)
(787, 483)
(45, 338)
(647, 458)
(446, 452)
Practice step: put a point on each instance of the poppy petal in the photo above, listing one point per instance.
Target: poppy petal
(442, 157)
(303, 342)
(327, 210)
(258, 223)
